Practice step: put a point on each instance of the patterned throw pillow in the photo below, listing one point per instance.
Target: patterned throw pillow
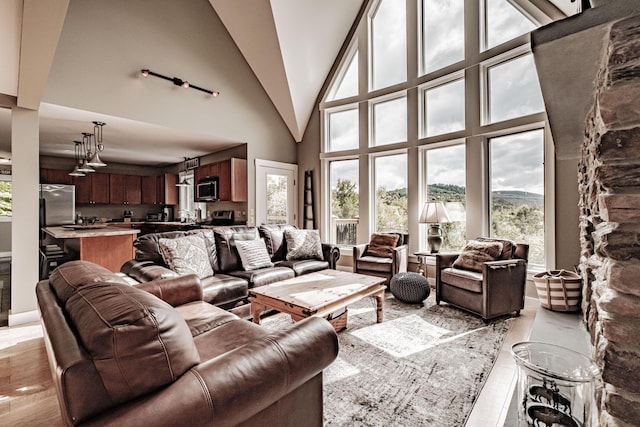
(187, 255)
(303, 244)
(253, 254)
(475, 253)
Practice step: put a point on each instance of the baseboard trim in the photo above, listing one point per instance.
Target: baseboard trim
(24, 317)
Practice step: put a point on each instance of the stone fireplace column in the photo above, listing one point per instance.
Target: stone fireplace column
(609, 184)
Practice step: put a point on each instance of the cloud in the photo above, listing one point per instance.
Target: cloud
(517, 162)
(445, 108)
(391, 171)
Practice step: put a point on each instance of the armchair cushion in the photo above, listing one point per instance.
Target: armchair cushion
(464, 279)
(476, 252)
(382, 245)
(303, 244)
(253, 254)
(187, 255)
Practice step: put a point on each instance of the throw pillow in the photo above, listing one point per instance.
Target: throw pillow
(382, 245)
(253, 254)
(303, 244)
(475, 253)
(187, 255)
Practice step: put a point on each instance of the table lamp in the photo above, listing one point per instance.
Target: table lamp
(434, 213)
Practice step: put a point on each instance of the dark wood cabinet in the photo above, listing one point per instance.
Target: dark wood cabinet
(55, 176)
(92, 188)
(124, 189)
(233, 180)
(159, 190)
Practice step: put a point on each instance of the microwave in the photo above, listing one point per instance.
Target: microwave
(207, 190)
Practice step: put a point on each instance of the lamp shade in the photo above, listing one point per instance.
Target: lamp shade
(434, 213)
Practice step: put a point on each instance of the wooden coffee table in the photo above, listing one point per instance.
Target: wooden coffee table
(317, 294)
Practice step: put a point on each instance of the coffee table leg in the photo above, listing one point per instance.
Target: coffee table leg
(379, 296)
(256, 310)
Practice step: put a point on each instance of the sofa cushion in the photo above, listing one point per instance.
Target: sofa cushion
(147, 248)
(253, 254)
(72, 275)
(264, 276)
(210, 240)
(304, 266)
(303, 244)
(463, 279)
(508, 247)
(273, 235)
(382, 245)
(475, 253)
(223, 288)
(187, 255)
(138, 342)
(228, 257)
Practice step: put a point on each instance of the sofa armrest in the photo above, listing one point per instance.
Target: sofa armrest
(146, 271)
(504, 280)
(235, 386)
(359, 250)
(331, 254)
(400, 259)
(175, 290)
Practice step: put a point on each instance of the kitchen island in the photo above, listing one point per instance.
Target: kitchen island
(107, 246)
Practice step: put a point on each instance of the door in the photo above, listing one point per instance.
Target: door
(276, 194)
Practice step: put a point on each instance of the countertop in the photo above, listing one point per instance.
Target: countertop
(68, 233)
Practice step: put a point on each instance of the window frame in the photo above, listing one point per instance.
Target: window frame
(422, 107)
(327, 125)
(371, 107)
(373, 188)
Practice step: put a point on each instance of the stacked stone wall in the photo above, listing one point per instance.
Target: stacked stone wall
(609, 185)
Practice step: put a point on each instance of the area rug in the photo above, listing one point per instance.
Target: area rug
(424, 365)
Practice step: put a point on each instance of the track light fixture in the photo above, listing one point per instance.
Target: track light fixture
(178, 82)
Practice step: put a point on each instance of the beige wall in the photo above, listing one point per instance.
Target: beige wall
(567, 215)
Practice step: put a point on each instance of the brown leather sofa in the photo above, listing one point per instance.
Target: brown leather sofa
(229, 286)
(158, 355)
(497, 288)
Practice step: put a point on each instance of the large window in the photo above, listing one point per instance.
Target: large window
(517, 190)
(446, 182)
(391, 193)
(513, 89)
(388, 43)
(342, 129)
(389, 119)
(345, 201)
(456, 114)
(443, 108)
(442, 33)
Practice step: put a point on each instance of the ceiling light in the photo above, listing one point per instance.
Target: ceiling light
(78, 157)
(179, 82)
(92, 153)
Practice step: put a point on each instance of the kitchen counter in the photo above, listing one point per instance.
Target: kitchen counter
(108, 246)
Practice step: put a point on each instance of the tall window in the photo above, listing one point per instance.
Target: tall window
(391, 193)
(443, 108)
(185, 196)
(442, 33)
(388, 44)
(446, 182)
(345, 201)
(277, 197)
(389, 119)
(517, 190)
(342, 128)
(513, 89)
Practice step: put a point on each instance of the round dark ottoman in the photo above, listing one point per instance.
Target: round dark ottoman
(410, 287)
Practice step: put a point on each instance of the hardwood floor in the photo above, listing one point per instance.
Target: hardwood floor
(28, 398)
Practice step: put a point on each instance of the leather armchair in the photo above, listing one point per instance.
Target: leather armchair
(385, 267)
(498, 289)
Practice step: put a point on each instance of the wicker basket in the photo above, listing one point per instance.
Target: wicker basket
(559, 290)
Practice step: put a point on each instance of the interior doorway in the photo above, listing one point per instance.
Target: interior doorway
(276, 193)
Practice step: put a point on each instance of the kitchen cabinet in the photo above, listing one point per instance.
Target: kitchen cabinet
(55, 176)
(124, 189)
(159, 190)
(233, 180)
(92, 188)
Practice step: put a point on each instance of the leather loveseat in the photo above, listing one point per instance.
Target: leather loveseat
(155, 354)
(228, 286)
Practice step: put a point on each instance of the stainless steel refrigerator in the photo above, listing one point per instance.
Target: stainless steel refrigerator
(57, 204)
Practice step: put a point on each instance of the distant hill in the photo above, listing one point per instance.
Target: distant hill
(500, 198)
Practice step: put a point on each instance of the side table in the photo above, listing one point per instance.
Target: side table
(427, 265)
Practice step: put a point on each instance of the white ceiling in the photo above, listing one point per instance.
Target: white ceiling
(290, 45)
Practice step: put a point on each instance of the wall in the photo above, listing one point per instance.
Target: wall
(609, 179)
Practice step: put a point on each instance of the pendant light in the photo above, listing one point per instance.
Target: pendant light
(94, 158)
(77, 149)
(84, 167)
